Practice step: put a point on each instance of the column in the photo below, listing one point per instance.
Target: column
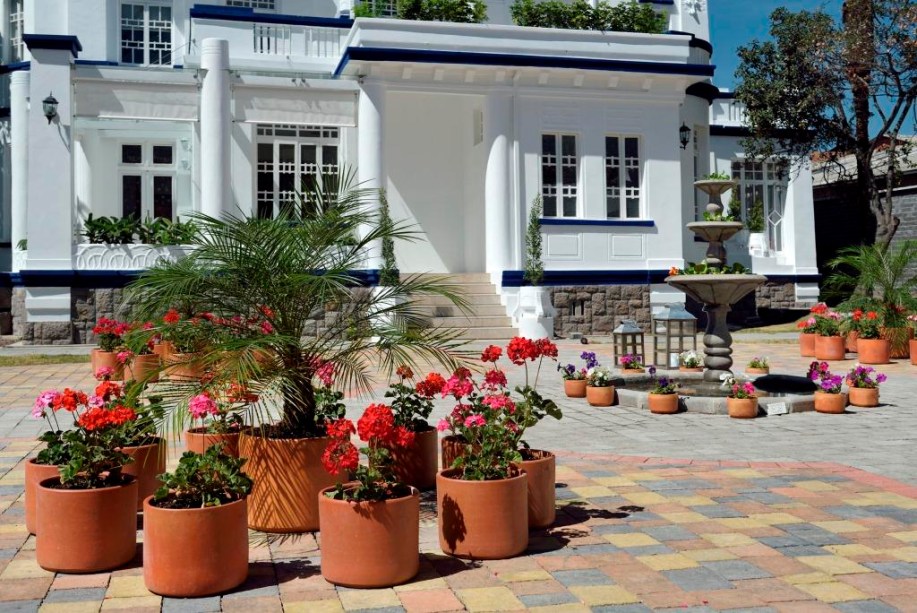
(82, 175)
(19, 162)
(216, 124)
(370, 152)
(498, 124)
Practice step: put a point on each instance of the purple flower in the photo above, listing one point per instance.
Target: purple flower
(881, 378)
(589, 357)
(663, 381)
(652, 371)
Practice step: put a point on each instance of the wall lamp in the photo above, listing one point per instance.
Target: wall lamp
(684, 135)
(49, 105)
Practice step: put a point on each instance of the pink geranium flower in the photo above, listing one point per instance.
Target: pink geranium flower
(202, 405)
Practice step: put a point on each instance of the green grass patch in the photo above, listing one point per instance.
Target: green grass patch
(40, 359)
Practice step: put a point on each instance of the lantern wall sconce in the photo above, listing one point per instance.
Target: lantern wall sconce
(49, 106)
(684, 135)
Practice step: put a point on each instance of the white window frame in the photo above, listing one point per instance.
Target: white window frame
(147, 170)
(560, 189)
(147, 4)
(625, 193)
(257, 5)
(774, 187)
(17, 23)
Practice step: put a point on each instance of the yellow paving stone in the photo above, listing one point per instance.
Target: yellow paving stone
(684, 517)
(434, 583)
(741, 523)
(840, 526)
(908, 554)
(833, 592)
(132, 602)
(692, 501)
(642, 476)
(907, 537)
(816, 486)
(489, 599)
(562, 608)
(631, 540)
(23, 569)
(893, 499)
(614, 481)
(85, 606)
(11, 528)
(833, 565)
(565, 471)
(668, 561)
(526, 575)
(313, 606)
(854, 549)
(709, 555)
(775, 519)
(860, 501)
(729, 539)
(743, 473)
(369, 599)
(645, 498)
(807, 578)
(597, 595)
(127, 587)
(592, 491)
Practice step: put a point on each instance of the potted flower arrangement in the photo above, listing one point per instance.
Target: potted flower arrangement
(218, 413)
(139, 361)
(758, 366)
(415, 464)
(188, 339)
(86, 518)
(863, 386)
(690, 361)
(663, 397)
(807, 334)
(631, 364)
(829, 344)
(370, 526)
(600, 392)
(742, 401)
(828, 396)
(871, 347)
(575, 379)
(109, 335)
(201, 507)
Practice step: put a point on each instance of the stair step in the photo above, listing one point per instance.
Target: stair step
(474, 300)
(478, 310)
(473, 322)
(491, 333)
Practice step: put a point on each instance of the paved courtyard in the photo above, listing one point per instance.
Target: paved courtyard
(802, 512)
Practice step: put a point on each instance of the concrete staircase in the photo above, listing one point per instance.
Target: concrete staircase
(488, 320)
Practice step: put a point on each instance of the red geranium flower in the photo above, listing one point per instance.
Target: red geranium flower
(491, 353)
(546, 348)
(171, 317)
(431, 386)
(521, 349)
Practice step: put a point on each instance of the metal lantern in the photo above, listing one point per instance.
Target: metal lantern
(49, 107)
(627, 337)
(672, 326)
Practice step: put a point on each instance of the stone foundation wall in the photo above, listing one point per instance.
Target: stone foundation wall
(599, 309)
(777, 296)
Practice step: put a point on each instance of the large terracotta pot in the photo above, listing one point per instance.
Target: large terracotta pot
(807, 345)
(850, 341)
(287, 475)
(830, 403)
(483, 520)
(85, 531)
(757, 371)
(863, 396)
(873, 350)
(164, 349)
(600, 396)
(149, 461)
(575, 388)
(829, 348)
(912, 345)
(370, 544)
(453, 446)
(199, 441)
(143, 368)
(417, 465)
(35, 474)
(540, 473)
(662, 404)
(742, 408)
(189, 553)
(691, 368)
(633, 371)
(99, 358)
(899, 340)
(185, 367)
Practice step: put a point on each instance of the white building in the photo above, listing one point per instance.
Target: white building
(168, 107)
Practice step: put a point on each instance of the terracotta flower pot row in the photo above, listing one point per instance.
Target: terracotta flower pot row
(595, 396)
(893, 343)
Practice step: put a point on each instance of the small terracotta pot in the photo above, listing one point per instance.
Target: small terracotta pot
(540, 473)
(830, 403)
(912, 346)
(633, 371)
(757, 371)
(99, 358)
(863, 396)
(85, 531)
(189, 553)
(807, 345)
(575, 388)
(143, 368)
(370, 544)
(742, 408)
(874, 350)
(850, 341)
(185, 367)
(899, 340)
(35, 474)
(164, 349)
(199, 441)
(149, 461)
(691, 368)
(829, 348)
(483, 520)
(417, 465)
(452, 446)
(288, 475)
(662, 404)
(600, 396)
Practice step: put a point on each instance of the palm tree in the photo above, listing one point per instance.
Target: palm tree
(284, 272)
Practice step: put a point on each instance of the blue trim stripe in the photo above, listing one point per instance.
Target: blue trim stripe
(514, 278)
(61, 42)
(633, 223)
(14, 66)
(94, 279)
(742, 131)
(663, 2)
(707, 91)
(95, 63)
(379, 54)
(232, 13)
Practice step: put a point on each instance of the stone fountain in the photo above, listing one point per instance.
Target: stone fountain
(716, 291)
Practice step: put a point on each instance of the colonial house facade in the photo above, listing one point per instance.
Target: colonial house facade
(159, 108)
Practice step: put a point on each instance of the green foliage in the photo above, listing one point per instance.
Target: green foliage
(411, 409)
(702, 268)
(388, 274)
(329, 404)
(626, 17)
(367, 9)
(735, 206)
(456, 11)
(23, 244)
(534, 267)
(755, 221)
(708, 216)
(161, 231)
(121, 231)
(203, 480)
(531, 409)
(95, 458)
(718, 176)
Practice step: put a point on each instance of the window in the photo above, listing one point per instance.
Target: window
(17, 49)
(381, 8)
(622, 177)
(147, 180)
(287, 158)
(765, 182)
(146, 33)
(252, 4)
(559, 173)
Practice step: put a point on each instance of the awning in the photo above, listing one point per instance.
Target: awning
(294, 106)
(107, 100)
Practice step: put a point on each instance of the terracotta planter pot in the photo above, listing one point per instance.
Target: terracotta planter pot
(35, 474)
(899, 340)
(149, 461)
(850, 341)
(163, 349)
(484, 520)
(199, 441)
(830, 403)
(188, 553)
(417, 465)
(370, 544)
(575, 388)
(452, 446)
(757, 371)
(691, 368)
(288, 476)
(829, 348)
(185, 367)
(863, 396)
(86, 531)
(540, 474)
(143, 368)
(99, 358)
(874, 350)
(662, 404)
(633, 371)
(807, 345)
(912, 345)
(742, 408)
(600, 396)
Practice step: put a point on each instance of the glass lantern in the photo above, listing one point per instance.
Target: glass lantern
(672, 327)
(628, 339)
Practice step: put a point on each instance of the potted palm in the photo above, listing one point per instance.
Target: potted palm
(863, 386)
(218, 413)
(414, 464)
(742, 401)
(663, 397)
(828, 396)
(199, 508)
(600, 392)
(287, 270)
(829, 344)
(109, 335)
(370, 526)
(690, 361)
(758, 366)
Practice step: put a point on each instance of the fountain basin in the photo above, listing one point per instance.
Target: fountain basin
(721, 290)
(715, 231)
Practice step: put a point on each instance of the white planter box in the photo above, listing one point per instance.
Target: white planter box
(534, 315)
(124, 257)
